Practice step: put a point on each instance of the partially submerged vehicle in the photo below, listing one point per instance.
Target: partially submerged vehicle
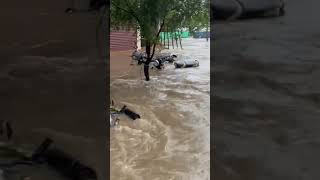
(186, 63)
(166, 57)
(157, 62)
(163, 59)
(160, 60)
(115, 113)
(237, 9)
(139, 56)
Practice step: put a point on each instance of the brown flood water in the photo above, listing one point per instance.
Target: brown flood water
(172, 139)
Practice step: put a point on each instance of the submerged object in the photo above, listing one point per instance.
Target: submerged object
(130, 113)
(186, 63)
(166, 58)
(114, 113)
(138, 56)
(114, 121)
(155, 64)
(159, 61)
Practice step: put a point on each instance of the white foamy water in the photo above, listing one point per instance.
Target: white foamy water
(171, 141)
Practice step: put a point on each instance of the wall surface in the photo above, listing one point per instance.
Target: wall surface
(123, 40)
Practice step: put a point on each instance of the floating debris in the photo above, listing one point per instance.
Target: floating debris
(130, 113)
(114, 121)
(114, 113)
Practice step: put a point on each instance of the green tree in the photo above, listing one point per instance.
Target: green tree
(150, 16)
(200, 19)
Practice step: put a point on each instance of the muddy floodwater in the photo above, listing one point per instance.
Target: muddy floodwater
(172, 139)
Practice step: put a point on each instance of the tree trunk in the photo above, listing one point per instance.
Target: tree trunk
(164, 39)
(172, 40)
(146, 71)
(180, 39)
(176, 38)
(146, 65)
(168, 38)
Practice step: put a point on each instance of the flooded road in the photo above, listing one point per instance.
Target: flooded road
(172, 139)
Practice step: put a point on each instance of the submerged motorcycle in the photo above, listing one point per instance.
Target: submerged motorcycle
(156, 62)
(115, 113)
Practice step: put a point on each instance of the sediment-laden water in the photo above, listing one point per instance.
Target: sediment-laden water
(172, 139)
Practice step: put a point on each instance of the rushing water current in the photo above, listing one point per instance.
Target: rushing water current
(171, 141)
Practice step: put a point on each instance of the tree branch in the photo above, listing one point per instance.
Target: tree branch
(132, 12)
(154, 44)
(127, 11)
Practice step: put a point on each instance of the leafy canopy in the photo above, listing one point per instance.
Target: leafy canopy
(150, 15)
